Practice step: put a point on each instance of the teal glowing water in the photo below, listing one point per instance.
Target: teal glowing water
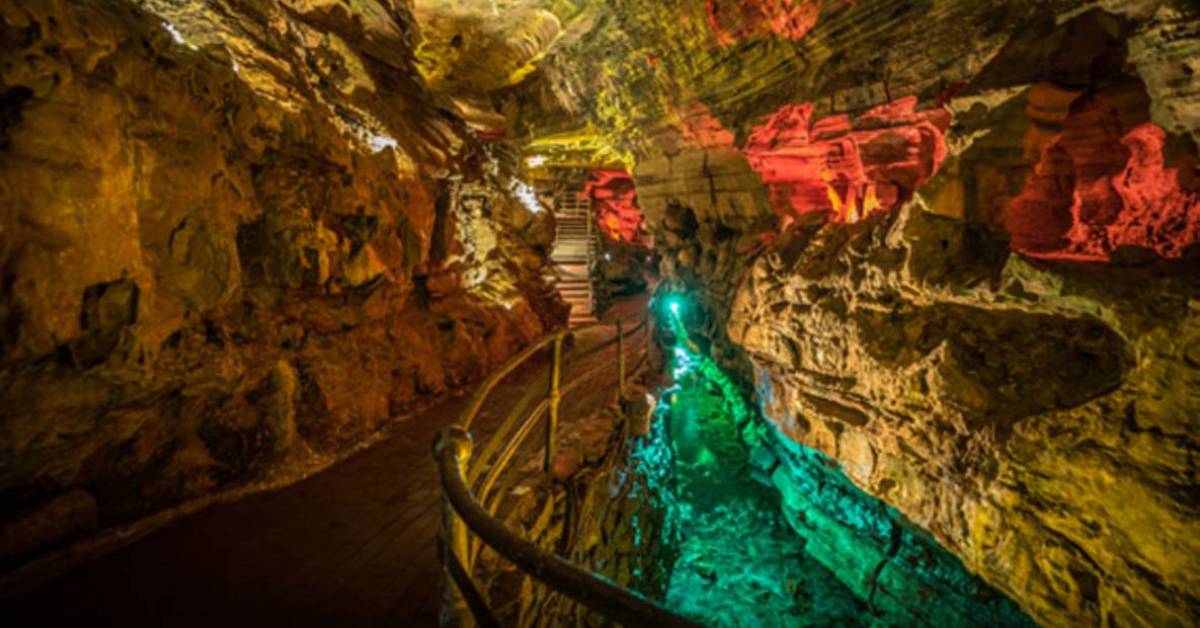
(770, 533)
(736, 560)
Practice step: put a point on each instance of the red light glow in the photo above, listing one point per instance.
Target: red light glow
(849, 169)
(614, 201)
(736, 20)
(1095, 189)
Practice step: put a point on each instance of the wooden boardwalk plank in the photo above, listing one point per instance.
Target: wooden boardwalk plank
(353, 545)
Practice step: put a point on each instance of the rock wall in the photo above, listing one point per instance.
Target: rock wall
(1037, 422)
(234, 238)
(952, 246)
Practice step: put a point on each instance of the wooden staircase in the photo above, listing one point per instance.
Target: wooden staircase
(573, 252)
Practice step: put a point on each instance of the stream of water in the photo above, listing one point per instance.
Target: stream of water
(768, 533)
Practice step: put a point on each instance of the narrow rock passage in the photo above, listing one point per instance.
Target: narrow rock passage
(351, 546)
(738, 562)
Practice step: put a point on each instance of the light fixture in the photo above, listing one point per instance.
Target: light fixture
(379, 142)
(526, 196)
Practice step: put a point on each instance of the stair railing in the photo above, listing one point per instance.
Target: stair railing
(471, 498)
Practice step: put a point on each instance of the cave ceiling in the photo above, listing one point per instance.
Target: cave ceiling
(615, 83)
(620, 82)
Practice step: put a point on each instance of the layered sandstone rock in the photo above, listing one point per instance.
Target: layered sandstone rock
(952, 244)
(1017, 414)
(231, 240)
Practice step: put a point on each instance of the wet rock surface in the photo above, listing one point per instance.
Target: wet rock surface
(975, 303)
(951, 245)
(1002, 417)
(230, 243)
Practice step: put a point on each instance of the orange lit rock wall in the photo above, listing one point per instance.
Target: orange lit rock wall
(614, 203)
(849, 169)
(212, 278)
(734, 20)
(1099, 187)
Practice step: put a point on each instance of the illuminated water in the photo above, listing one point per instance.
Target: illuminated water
(770, 533)
(737, 563)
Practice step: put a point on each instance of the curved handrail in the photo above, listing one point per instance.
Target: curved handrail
(453, 453)
(484, 488)
(585, 587)
(467, 416)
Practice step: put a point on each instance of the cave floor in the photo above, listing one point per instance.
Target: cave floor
(353, 545)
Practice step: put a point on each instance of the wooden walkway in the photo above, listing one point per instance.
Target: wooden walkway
(351, 546)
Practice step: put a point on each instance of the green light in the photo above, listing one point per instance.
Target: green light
(675, 304)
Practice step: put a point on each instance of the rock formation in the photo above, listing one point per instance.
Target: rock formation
(614, 202)
(952, 246)
(233, 237)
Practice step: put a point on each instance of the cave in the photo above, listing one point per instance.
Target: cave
(600, 312)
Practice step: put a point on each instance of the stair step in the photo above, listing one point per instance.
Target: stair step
(572, 255)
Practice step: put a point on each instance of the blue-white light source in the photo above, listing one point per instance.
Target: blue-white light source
(380, 143)
(526, 196)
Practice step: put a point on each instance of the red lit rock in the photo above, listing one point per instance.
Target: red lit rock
(614, 201)
(733, 21)
(848, 169)
(700, 129)
(1103, 183)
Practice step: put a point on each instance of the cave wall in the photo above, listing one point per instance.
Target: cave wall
(236, 239)
(952, 246)
(1036, 423)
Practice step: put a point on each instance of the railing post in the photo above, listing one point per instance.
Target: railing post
(620, 362)
(555, 400)
(455, 611)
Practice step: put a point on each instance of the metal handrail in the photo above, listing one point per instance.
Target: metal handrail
(465, 513)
